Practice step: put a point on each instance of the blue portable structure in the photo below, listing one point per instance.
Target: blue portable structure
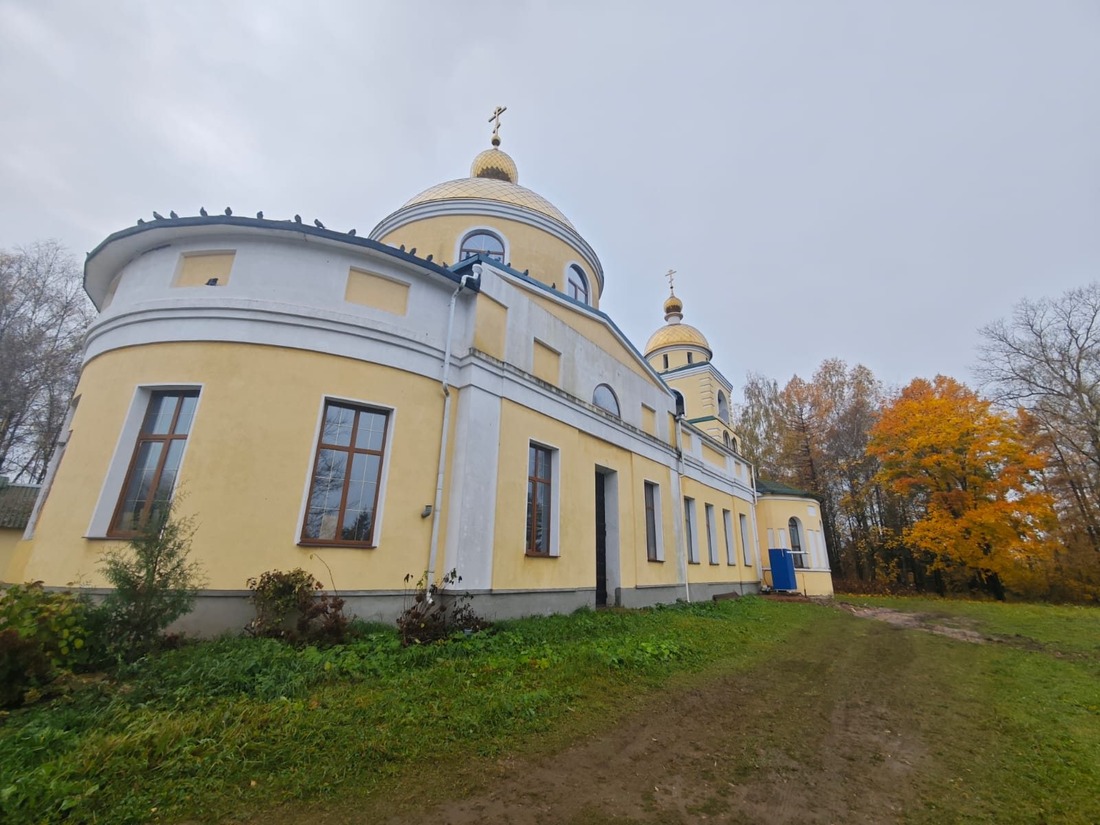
(782, 563)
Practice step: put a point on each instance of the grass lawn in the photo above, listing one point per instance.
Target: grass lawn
(846, 718)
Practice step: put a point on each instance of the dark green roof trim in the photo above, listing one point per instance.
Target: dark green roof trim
(775, 488)
(706, 418)
(687, 367)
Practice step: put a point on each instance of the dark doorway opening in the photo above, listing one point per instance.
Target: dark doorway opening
(601, 539)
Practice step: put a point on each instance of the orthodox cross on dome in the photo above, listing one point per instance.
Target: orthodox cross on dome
(495, 120)
(670, 274)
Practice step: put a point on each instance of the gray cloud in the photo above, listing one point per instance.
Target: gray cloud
(866, 180)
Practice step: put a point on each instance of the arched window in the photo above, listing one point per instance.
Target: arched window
(604, 398)
(726, 439)
(679, 402)
(484, 243)
(796, 542)
(577, 284)
(723, 408)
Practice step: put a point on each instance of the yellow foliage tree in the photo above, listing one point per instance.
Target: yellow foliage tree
(971, 476)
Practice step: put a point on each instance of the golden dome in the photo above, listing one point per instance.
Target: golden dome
(494, 164)
(677, 335)
(674, 306)
(491, 190)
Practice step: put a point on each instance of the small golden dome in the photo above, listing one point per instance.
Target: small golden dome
(674, 306)
(677, 335)
(496, 165)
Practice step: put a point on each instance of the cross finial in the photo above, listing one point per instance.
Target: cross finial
(495, 120)
(669, 275)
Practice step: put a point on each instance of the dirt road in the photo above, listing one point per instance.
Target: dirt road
(826, 736)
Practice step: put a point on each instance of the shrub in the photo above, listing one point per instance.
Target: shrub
(288, 607)
(154, 584)
(57, 623)
(435, 614)
(23, 665)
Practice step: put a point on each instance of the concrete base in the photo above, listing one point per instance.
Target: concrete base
(229, 611)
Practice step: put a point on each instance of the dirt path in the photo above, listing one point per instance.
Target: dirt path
(916, 621)
(825, 735)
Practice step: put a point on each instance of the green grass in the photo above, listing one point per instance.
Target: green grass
(1066, 629)
(999, 733)
(220, 728)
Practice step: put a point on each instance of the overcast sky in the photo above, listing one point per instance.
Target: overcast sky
(865, 180)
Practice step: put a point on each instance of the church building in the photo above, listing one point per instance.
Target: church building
(441, 394)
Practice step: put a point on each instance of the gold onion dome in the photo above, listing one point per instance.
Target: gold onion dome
(675, 333)
(496, 165)
(493, 177)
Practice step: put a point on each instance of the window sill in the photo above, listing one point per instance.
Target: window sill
(532, 555)
(655, 561)
(345, 544)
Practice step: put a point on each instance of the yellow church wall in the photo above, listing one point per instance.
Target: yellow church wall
(377, 291)
(646, 573)
(196, 269)
(490, 326)
(594, 331)
(250, 450)
(9, 538)
(547, 363)
(578, 457)
(704, 571)
(774, 513)
(543, 255)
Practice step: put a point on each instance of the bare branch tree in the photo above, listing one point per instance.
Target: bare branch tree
(43, 317)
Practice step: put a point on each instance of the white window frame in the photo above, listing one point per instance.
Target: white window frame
(119, 466)
(473, 230)
(383, 479)
(691, 524)
(658, 542)
(555, 498)
(712, 546)
(746, 552)
(587, 281)
(731, 549)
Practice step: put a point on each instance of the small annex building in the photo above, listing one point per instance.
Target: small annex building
(441, 394)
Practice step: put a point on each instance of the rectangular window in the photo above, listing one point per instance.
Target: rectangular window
(689, 528)
(651, 497)
(712, 548)
(343, 493)
(665, 361)
(727, 526)
(746, 553)
(539, 490)
(151, 478)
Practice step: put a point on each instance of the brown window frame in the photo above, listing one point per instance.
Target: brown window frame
(465, 252)
(143, 438)
(533, 483)
(577, 284)
(649, 495)
(351, 450)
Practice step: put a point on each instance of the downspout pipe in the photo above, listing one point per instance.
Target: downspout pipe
(444, 381)
(684, 549)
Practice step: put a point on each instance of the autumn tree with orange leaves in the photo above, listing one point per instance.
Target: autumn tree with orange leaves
(971, 479)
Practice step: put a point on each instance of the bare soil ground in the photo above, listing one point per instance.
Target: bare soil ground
(828, 734)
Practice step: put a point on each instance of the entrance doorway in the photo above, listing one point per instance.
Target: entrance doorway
(607, 537)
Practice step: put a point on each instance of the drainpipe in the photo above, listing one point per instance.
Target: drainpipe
(680, 505)
(433, 551)
(755, 532)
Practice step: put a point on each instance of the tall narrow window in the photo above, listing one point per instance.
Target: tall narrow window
(689, 529)
(651, 522)
(664, 360)
(577, 281)
(539, 487)
(712, 548)
(691, 358)
(746, 553)
(727, 526)
(482, 243)
(796, 543)
(343, 495)
(147, 492)
(723, 408)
